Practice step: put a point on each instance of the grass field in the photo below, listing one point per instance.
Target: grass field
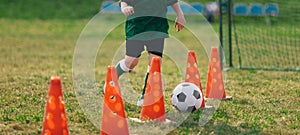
(264, 102)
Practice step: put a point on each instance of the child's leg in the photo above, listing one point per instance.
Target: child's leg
(150, 56)
(145, 83)
(126, 64)
(134, 49)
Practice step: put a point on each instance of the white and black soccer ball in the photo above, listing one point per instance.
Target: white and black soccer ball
(187, 97)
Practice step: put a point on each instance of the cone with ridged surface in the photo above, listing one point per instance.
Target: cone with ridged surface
(113, 114)
(215, 85)
(55, 120)
(153, 106)
(192, 74)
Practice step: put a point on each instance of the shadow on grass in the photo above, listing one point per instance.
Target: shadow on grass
(218, 127)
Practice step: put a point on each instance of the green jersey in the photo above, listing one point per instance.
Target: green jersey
(149, 19)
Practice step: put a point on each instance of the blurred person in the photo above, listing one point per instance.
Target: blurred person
(212, 11)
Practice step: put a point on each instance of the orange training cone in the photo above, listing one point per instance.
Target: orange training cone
(215, 85)
(113, 115)
(192, 73)
(55, 121)
(153, 105)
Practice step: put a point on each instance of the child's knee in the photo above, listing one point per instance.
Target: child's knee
(131, 62)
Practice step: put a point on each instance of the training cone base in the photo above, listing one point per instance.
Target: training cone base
(227, 98)
(167, 121)
(223, 99)
(207, 107)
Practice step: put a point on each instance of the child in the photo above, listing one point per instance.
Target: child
(147, 25)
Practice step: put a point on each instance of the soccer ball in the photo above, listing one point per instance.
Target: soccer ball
(187, 97)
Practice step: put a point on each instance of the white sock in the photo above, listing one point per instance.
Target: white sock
(148, 69)
(123, 66)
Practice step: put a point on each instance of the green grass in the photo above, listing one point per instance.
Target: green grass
(77, 9)
(264, 102)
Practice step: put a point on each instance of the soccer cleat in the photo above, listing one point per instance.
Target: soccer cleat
(140, 102)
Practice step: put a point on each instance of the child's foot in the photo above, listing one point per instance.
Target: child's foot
(140, 101)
